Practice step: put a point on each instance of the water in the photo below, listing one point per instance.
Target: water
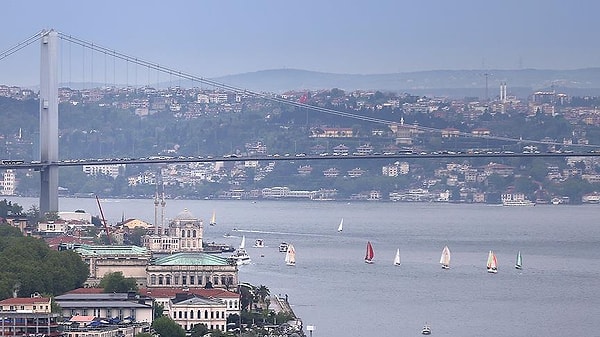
(556, 294)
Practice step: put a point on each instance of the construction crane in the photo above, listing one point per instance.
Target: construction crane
(103, 220)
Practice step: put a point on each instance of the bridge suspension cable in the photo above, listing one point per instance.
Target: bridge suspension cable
(33, 38)
(274, 98)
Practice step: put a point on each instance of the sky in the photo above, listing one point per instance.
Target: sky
(212, 38)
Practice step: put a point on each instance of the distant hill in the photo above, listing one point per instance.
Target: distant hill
(435, 82)
(452, 83)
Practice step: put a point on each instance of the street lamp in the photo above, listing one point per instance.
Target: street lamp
(310, 329)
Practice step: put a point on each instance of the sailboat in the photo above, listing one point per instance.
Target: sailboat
(397, 258)
(370, 254)
(240, 256)
(492, 263)
(213, 220)
(341, 226)
(445, 258)
(519, 263)
(290, 255)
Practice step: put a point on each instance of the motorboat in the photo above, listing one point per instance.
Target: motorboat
(426, 330)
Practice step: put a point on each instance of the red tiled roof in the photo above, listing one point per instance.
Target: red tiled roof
(86, 291)
(24, 300)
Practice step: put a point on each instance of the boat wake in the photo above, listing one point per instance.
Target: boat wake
(281, 233)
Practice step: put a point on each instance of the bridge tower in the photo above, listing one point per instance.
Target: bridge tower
(49, 121)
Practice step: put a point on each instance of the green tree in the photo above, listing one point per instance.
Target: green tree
(158, 310)
(8, 208)
(167, 327)
(7, 230)
(263, 293)
(199, 330)
(117, 283)
(28, 265)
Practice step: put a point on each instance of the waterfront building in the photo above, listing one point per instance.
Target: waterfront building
(192, 270)
(163, 296)
(188, 310)
(184, 234)
(28, 316)
(120, 307)
(102, 260)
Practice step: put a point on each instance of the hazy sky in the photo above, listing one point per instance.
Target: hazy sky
(217, 37)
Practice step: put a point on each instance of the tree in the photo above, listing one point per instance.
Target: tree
(8, 208)
(158, 310)
(167, 327)
(117, 283)
(263, 292)
(28, 265)
(199, 330)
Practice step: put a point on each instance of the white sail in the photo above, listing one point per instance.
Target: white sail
(492, 264)
(341, 226)
(397, 258)
(445, 258)
(243, 243)
(213, 219)
(519, 263)
(290, 255)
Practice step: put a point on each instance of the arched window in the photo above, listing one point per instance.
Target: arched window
(194, 233)
(199, 314)
(191, 314)
(152, 279)
(205, 314)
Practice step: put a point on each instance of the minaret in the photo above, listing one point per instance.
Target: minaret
(163, 203)
(156, 203)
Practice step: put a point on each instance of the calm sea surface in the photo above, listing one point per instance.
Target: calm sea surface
(556, 293)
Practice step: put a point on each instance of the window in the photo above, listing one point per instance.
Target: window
(183, 279)
(152, 279)
(192, 279)
(176, 279)
(168, 279)
(191, 314)
(160, 279)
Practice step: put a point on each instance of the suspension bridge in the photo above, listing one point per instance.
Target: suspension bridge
(49, 162)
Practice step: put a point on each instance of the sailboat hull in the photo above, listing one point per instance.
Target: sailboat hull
(492, 271)
(445, 266)
(369, 261)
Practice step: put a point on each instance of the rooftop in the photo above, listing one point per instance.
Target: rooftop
(90, 250)
(191, 259)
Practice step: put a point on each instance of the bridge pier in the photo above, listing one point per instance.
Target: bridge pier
(49, 121)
